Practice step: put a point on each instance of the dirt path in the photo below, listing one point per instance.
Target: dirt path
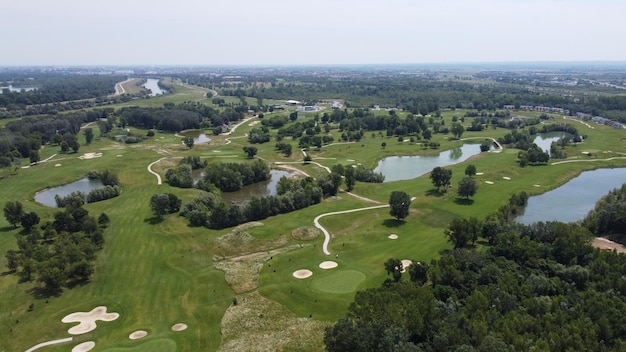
(154, 173)
(605, 243)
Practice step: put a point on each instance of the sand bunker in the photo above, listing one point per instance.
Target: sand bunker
(179, 327)
(118, 155)
(328, 264)
(480, 173)
(506, 178)
(57, 165)
(136, 335)
(302, 274)
(536, 185)
(605, 243)
(393, 236)
(84, 347)
(90, 156)
(489, 182)
(406, 263)
(87, 320)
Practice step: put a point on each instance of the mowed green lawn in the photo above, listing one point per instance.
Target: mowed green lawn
(156, 275)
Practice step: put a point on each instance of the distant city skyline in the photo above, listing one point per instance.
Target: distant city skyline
(325, 32)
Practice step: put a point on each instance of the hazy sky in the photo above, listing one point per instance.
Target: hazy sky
(262, 32)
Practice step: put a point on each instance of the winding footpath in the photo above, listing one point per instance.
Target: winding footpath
(49, 343)
(327, 234)
(154, 173)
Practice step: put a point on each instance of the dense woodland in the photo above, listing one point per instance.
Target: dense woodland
(540, 287)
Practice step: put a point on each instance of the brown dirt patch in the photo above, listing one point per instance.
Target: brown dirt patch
(240, 242)
(306, 233)
(259, 324)
(242, 273)
(604, 243)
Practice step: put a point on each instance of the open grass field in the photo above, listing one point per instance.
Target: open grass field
(158, 274)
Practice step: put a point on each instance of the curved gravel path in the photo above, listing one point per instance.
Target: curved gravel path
(327, 234)
(154, 173)
(48, 343)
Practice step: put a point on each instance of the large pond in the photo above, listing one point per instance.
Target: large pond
(573, 200)
(396, 168)
(544, 140)
(153, 85)
(259, 189)
(199, 137)
(85, 185)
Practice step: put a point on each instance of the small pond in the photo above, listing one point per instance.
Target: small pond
(573, 200)
(544, 140)
(153, 85)
(199, 137)
(85, 185)
(396, 168)
(260, 189)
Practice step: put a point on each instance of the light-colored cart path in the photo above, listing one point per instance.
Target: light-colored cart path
(327, 234)
(49, 343)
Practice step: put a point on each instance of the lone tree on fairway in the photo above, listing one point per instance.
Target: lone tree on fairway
(467, 187)
(399, 203)
(164, 203)
(251, 151)
(457, 130)
(441, 177)
(13, 212)
(188, 142)
(88, 135)
(470, 170)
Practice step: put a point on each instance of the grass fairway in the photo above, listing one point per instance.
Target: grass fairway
(158, 274)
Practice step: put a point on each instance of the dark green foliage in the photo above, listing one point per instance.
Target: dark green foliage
(259, 135)
(467, 187)
(485, 146)
(362, 174)
(284, 148)
(13, 212)
(29, 220)
(194, 161)
(107, 192)
(64, 254)
(164, 203)
(188, 141)
(540, 287)
(441, 177)
(88, 132)
(180, 177)
(250, 151)
(609, 215)
(76, 197)
(399, 204)
(230, 177)
(470, 170)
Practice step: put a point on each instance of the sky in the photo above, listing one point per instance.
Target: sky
(298, 32)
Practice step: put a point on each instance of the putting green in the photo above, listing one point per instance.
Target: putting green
(343, 281)
(160, 345)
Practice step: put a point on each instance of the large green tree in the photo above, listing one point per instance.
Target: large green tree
(441, 177)
(467, 187)
(13, 212)
(399, 203)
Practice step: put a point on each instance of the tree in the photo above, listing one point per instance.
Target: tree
(350, 178)
(30, 220)
(470, 170)
(159, 204)
(441, 177)
(399, 203)
(394, 266)
(457, 130)
(418, 272)
(88, 135)
(13, 212)
(251, 151)
(383, 144)
(485, 146)
(188, 141)
(458, 232)
(467, 187)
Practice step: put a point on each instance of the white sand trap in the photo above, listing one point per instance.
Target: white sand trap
(87, 320)
(179, 327)
(536, 185)
(302, 273)
(57, 165)
(506, 178)
(139, 334)
(328, 264)
(406, 263)
(350, 160)
(217, 151)
(393, 236)
(90, 156)
(119, 155)
(84, 347)
(480, 173)
(489, 182)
